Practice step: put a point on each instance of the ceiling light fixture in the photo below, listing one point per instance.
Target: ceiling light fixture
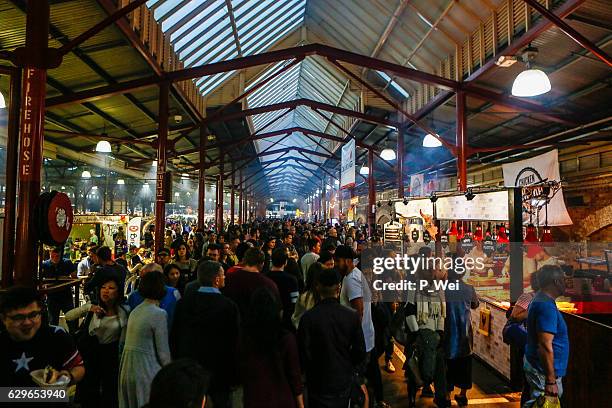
(431, 141)
(532, 81)
(85, 174)
(103, 146)
(364, 170)
(120, 182)
(388, 154)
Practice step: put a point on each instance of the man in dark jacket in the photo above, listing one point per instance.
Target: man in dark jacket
(332, 346)
(107, 267)
(54, 268)
(206, 328)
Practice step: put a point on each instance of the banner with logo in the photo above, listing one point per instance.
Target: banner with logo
(416, 185)
(133, 232)
(347, 168)
(533, 171)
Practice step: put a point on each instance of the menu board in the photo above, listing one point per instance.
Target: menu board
(413, 207)
(491, 206)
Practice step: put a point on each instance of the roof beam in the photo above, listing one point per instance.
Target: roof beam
(571, 32)
(230, 12)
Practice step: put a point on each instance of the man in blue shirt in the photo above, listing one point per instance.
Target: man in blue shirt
(547, 348)
(168, 302)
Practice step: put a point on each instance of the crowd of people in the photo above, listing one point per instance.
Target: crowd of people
(269, 314)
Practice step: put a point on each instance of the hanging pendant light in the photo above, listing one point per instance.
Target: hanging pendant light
(478, 233)
(103, 146)
(120, 182)
(453, 229)
(502, 237)
(85, 174)
(2, 101)
(530, 234)
(532, 81)
(388, 154)
(431, 141)
(364, 170)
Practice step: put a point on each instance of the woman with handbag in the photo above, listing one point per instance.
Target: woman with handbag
(98, 341)
(425, 311)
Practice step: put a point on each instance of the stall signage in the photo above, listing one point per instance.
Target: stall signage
(32, 115)
(347, 168)
(491, 206)
(415, 235)
(133, 236)
(488, 246)
(414, 208)
(416, 185)
(467, 244)
(444, 239)
(533, 171)
(426, 236)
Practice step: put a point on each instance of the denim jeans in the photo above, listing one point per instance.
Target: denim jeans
(536, 380)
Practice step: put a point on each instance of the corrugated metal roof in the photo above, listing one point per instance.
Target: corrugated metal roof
(312, 79)
(204, 32)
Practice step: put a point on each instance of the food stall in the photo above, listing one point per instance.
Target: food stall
(105, 226)
(485, 224)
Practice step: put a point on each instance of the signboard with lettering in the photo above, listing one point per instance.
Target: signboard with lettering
(347, 168)
(491, 206)
(32, 123)
(544, 167)
(133, 232)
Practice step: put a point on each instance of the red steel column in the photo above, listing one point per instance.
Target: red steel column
(461, 142)
(220, 196)
(232, 195)
(31, 144)
(162, 150)
(339, 196)
(371, 193)
(240, 198)
(12, 153)
(400, 162)
(324, 199)
(202, 179)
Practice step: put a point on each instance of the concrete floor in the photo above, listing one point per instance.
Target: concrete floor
(488, 391)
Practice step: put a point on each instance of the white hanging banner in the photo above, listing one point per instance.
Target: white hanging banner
(416, 185)
(133, 235)
(347, 168)
(533, 171)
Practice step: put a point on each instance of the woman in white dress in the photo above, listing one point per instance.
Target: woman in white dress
(146, 348)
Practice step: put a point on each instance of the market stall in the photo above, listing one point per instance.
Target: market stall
(491, 226)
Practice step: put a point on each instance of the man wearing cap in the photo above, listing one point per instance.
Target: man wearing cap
(163, 257)
(331, 344)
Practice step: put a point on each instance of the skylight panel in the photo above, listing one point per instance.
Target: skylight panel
(180, 13)
(393, 84)
(207, 29)
(273, 36)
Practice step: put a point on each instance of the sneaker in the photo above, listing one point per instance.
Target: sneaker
(389, 367)
(427, 391)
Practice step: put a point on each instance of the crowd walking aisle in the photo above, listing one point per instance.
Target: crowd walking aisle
(488, 390)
